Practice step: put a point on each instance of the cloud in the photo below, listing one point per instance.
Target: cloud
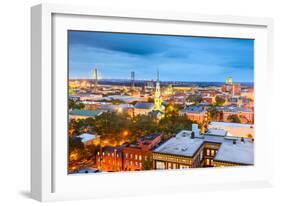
(178, 58)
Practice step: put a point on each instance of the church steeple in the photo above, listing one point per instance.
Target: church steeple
(157, 96)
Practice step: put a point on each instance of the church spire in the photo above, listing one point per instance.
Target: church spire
(157, 75)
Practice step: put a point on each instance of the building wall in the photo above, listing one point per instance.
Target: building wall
(198, 117)
(246, 117)
(109, 161)
(236, 131)
(134, 158)
(167, 161)
(141, 111)
(147, 144)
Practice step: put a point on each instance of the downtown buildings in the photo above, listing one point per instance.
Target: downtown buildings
(188, 149)
(220, 143)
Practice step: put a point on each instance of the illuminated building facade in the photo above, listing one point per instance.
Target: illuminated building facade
(157, 96)
(110, 159)
(187, 150)
(230, 87)
(134, 158)
(194, 113)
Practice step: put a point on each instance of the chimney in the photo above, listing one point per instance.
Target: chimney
(195, 129)
(192, 135)
(242, 139)
(234, 141)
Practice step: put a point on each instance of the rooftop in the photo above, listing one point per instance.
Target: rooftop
(149, 137)
(86, 137)
(216, 132)
(144, 105)
(86, 113)
(229, 124)
(193, 109)
(183, 145)
(241, 152)
(236, 109)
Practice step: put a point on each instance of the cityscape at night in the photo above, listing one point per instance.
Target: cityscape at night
(156, 102)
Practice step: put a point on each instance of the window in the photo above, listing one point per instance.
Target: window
(136, 163)
(183, 166)
(131, 156)
(201, 155)
(140, 157)
(126, 155)
(213, 152)
(208, 152)
(160, 165)
(140, 164)
(207, 162)
(170, 165)
(136, 157)
(131, 163)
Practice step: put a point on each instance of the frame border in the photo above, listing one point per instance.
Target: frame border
(42, 154)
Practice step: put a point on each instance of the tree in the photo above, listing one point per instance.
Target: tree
(194, 98)
(214, 114)
(219, 100)
(75, 105)
(171, 110)
(147, 164)
(234, 118)
(150, 99)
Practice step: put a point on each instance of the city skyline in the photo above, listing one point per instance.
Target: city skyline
(179, 58)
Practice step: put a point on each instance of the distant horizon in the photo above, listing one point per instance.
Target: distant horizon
(159, 80)
(178, 58)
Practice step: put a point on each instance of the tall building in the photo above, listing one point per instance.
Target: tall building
(157, 97)
(95, 77)
(229, 80)
(230, 87)
(132, 80)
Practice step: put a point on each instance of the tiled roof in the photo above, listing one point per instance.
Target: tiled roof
(87, 113)
(144, 105)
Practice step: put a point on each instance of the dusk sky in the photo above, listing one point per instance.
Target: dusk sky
(178, 58)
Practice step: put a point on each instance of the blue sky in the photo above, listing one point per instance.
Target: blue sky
(178, 58)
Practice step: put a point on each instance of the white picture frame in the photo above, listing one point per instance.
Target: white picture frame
(49, 179)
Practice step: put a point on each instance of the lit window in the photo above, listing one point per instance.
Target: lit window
(131, 156)
(207, 162)
(136, 157)
(140, 157)
(131, 163)
(103, 154)
(126, 155)
(140, 164)
(213, 152)
(112, 154)
(208, 152)
(136, 163)
(160, 165)
(169, 165)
